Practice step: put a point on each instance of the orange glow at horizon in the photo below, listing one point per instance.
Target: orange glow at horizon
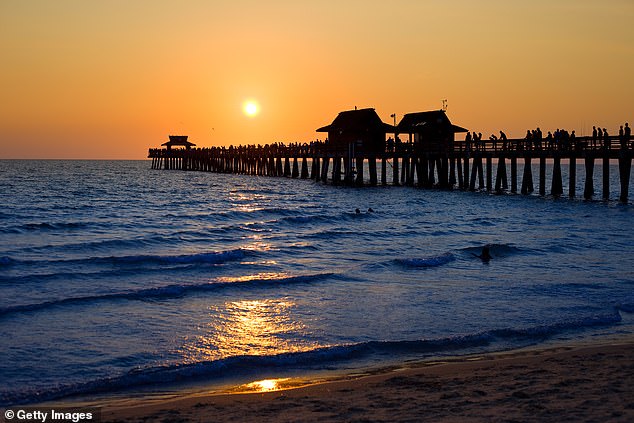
(110, 79)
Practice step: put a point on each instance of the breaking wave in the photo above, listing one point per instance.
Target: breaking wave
(314, 359)
(170, 291)
(432, 261)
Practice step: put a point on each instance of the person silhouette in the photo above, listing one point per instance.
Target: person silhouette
(503, 139)
(485, 256)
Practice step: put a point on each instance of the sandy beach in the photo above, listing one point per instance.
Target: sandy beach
(583, 383)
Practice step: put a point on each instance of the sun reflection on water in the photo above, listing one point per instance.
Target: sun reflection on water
(268, 276)
(246, 203)
(248, 327)
(265, 385)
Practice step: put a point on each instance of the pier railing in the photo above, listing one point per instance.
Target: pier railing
(458, 165)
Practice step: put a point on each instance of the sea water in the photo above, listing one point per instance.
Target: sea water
(117, 277)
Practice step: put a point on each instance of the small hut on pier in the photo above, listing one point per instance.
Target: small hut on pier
(357, 131)
(178, 141)
(432, 131)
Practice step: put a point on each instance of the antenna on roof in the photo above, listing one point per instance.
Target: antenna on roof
(444, 105)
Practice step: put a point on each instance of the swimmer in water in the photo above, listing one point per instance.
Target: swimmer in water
(486, 254)
(357, 211)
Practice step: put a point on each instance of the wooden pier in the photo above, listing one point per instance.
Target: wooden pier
(482, 166)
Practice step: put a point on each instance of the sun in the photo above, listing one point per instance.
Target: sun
(250, 108)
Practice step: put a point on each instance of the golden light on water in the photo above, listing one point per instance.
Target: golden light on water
(257, 327)
(257, 246)
(265, 385)
(249, 327)
(252, 277)
(245, 202)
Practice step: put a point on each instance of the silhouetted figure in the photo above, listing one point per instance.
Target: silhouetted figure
(485, 256)
(494, 140)
(357, 211)
(606, 139)
(503, 139)
(398, 144)
(627, 133)
(390, 145)
(370, 210)
(529, 139)
(486, 253)
(622, 138)
(594, 136)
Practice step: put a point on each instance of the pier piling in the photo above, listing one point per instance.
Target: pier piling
(625, 167)
(588, 191)
(572, 177)
(606, 177)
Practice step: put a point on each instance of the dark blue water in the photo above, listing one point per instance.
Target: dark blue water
(114, 276)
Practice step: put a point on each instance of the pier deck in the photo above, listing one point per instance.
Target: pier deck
(461, 166)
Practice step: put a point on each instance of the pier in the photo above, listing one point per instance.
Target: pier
(424, 161)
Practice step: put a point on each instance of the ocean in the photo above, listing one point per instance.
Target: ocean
(118, 278)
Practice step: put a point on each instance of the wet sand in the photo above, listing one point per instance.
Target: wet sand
(576, 384)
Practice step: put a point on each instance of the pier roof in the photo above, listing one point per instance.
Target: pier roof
(420, 121)
(178, 140)
(357, 120)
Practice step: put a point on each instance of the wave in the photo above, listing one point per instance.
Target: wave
(318, 358)
(496, 250)
(106, 274)
(167, 292)
(237, 214)
(213, 257)
(114, 266)
(327, 234)
(45, 226)
(627, 308)
(326, 218)
(106, 244)
(433, 261)
(294, 220)
(6, 261)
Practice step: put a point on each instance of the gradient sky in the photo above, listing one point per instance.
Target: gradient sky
(108, 79)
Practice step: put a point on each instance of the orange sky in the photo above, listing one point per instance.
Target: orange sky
(108, 79)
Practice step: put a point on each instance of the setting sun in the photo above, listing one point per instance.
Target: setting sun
(250, 108)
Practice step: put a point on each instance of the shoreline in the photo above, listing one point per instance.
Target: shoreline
(583, 382)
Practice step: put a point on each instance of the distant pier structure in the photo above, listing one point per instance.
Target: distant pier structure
(423, 152)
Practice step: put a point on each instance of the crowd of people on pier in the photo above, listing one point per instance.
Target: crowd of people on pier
(259, 150)
(396, 145)
(559, 140)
